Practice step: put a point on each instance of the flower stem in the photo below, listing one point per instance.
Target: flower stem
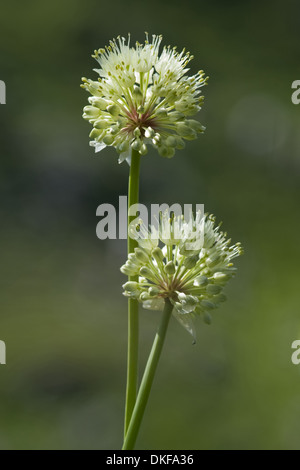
(147, 380)
(133, 319)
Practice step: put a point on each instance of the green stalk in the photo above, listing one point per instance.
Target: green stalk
(133, 307)
(147, 380)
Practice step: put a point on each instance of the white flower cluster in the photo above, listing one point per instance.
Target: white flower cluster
(190, 269)
(143, 98)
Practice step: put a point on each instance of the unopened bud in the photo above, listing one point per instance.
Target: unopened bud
(190, 261)
(146, 272)
(149, 133)
(221, 277)
(143, 150)
(101, 124)
(153, 291)
(213, 289)
(201, 281)
(108, 139)
(113, 109)
(137, 132)
(141, 255)
(158, 254)
(98, 102)
(171, 141)
(136, 144)
(207, 318)
(95, 133)
(130, 286)
(170, 268)
(90, 112)
(184, 130)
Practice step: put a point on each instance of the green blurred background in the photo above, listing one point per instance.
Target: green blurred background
(62, 314)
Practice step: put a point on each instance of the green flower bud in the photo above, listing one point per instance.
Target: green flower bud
(143, 150)
(171, 141)
(207, 318)
(201, 281)
(153, 291)
(195, 125)
(191, 261)
(123, 146)
(180, 143)
(213, 260)
(206, 304)
(221, 277)
(141, 255)
(158, 254)
(131, 286)
(137, 132)
(98, 102)
(220, 298)
(170, 268)
(193, 109)
(163, 151)
(149, 133)
(138, 95)
(176, 116)
(184, 130)
(213, 289)
(144, 296)
(95, 133)
(101, 124)
(114, 130)
(90, 112)
(166, 152)
(146, 272)
(161, 112)
(136, 144)
(108, 139)
(156, 139)
(181, 296)
(113, 109)
(128, 270)
(180, 105)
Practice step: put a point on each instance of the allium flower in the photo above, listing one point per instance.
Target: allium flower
(191, 269)
(143, 98)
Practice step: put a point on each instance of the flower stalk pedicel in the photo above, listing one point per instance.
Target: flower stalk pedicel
(133, 307)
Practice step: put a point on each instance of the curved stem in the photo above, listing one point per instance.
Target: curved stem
(133, 319)
(148, 377)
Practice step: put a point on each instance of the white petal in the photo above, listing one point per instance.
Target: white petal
(187, 322)
(154, 304)
(98, 145)
(125, 156)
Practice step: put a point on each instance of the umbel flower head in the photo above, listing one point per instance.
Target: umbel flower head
(143, 97)
(190, 269)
